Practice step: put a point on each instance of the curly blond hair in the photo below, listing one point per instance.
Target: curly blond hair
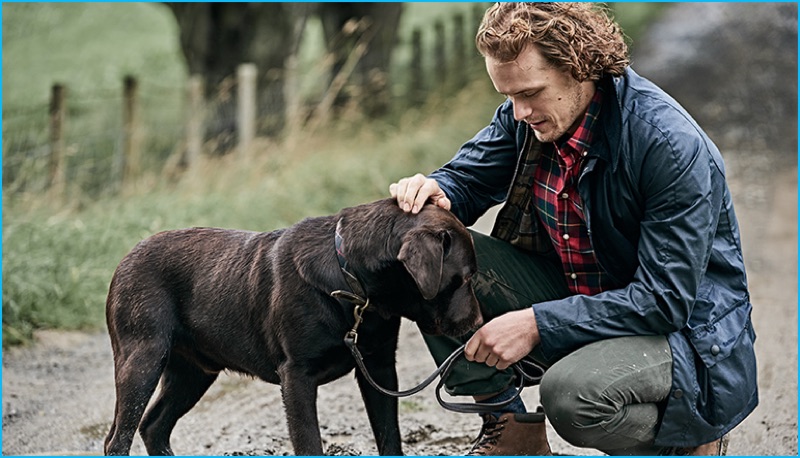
(579, 36)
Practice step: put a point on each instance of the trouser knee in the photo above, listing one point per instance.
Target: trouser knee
(608, 395)
(572, 411)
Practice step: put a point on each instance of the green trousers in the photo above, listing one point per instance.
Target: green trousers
(507, 279)
(608, 395)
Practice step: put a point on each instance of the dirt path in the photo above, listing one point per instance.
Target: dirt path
(58, 395)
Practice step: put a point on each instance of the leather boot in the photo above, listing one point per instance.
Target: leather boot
(718, 447)
(512, 434)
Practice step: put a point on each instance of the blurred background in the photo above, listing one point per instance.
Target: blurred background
(120, 120)
(124, 119)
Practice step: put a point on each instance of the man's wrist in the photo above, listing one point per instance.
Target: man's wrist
(536, 338)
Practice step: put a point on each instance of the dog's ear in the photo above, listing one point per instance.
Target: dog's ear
(422, 254)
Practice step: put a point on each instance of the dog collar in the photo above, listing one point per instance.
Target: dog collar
(358, 297)
(358, 294)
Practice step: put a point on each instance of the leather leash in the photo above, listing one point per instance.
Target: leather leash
(361, 302)
(521, 376)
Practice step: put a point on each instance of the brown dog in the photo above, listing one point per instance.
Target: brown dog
(184, 305)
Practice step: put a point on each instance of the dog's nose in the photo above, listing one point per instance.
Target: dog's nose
(478, 321)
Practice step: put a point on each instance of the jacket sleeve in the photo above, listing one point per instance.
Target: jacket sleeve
(673, 181)
(480, 173)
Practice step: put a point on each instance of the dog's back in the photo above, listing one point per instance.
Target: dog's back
(179, 288)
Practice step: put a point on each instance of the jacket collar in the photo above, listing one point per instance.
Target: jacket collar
(606, 144)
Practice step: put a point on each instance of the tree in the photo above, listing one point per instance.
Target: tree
(216, 37)
(377, 30)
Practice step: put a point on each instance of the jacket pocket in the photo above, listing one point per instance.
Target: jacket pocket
(716, 341)
(726, 365)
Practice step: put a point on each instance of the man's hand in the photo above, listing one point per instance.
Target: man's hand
(504, 340)
(412, 193)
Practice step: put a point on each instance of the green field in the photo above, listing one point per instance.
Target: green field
(59, 252)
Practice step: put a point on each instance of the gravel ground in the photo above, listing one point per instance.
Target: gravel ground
(58, 394)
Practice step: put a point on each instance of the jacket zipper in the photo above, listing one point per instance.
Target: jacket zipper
(587, 212)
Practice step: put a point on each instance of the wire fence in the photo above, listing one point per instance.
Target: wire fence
(93, 142)
(91, 137)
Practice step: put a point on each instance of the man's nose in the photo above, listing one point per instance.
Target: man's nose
(521, 111)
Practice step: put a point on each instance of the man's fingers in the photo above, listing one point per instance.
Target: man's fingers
(477, 350)
(471, 348)
(429, 189)
(443, 202)
(398, 191)
(492, 361)
(412, 193)
(415, 193)
(406, 191)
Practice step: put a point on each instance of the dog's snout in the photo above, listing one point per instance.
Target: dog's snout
(463, 315)
(478, 321)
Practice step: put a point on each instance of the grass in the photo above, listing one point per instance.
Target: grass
(59, 252)
(89, 48)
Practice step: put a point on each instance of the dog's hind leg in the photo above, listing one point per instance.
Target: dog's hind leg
(183, 383)
(136, 375)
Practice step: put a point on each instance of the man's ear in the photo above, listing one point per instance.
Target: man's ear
(422, 254)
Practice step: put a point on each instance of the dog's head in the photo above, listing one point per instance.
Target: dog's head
(415, 266)
(439, 255)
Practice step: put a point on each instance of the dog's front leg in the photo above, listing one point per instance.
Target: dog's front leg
(300, 401)
(382, 409)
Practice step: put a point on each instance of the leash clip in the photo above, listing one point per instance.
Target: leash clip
(358, 312)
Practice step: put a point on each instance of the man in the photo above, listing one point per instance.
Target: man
(616, 260)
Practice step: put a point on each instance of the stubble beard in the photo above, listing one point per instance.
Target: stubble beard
(575, 113)
(545, 137)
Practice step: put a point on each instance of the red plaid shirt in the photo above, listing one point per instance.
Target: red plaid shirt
(560, 208)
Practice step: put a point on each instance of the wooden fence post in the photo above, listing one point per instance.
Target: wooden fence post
(130, 155)
(246, 106)
(439, 54)
(195, 125)
(294, 103)
(478, 10)
(56, 178)
(460, 65)
(417, 80)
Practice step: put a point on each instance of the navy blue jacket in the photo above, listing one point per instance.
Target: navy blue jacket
(661, 221)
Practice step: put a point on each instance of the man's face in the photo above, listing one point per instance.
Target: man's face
(549, 99)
